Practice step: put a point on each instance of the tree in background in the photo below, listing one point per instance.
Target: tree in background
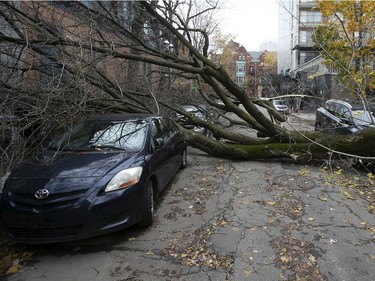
(270, 62)
(220, 49)
(268, 74)
(347, 42)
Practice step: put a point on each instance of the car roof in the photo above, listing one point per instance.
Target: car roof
(339, 102)
(193, 107)
(125, 116)
(352, 106)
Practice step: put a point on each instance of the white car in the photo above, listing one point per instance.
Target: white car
(197, 112)
(340, 117)
(280, 106)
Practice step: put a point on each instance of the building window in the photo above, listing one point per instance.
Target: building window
(307, 56)
(310, 17)
(240, 68)
(241, 57)
(240, 80)
(305, 38)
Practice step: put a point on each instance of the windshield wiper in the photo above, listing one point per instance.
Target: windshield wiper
(106, 146)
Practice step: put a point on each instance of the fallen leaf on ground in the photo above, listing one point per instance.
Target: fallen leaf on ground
(271, 203)
(247, 272)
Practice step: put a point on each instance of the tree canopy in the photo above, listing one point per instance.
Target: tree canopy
(347, 42)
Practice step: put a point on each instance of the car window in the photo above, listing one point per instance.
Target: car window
(363, 117)
(278, 102)
(344, 111)
(165, 128)
(198, 113)
(127, 135)
(331, 107)
(195, 111)
(156, 131)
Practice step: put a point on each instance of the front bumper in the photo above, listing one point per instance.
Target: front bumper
(94, 216)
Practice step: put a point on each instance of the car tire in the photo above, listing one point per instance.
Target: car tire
(148, 206)
(184, 161)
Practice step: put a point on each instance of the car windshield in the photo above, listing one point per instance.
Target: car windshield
(278, 102)
(363, 117)
(104, 134)
(194, 111)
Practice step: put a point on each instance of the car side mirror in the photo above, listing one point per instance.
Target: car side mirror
(158, 143)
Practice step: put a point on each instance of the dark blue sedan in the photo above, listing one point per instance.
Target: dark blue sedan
(100, 177)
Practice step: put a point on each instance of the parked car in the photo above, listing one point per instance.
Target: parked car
(280, 106)
(100, 177)
(341, 118)
(195, 111)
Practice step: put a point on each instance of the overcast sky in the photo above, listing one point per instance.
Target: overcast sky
(252, 22)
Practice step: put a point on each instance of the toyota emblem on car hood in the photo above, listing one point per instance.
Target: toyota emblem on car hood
(41, 193)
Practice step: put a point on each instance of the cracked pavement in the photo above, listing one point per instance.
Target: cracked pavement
(228, 220)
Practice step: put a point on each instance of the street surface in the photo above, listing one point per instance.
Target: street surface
(230, 220)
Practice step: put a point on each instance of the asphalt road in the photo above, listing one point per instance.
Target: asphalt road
(229, 220)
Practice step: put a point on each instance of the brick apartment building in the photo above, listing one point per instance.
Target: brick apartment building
(240, 64)
(79, 25)
(249, 68)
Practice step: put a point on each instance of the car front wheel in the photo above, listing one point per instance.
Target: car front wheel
(148, 206)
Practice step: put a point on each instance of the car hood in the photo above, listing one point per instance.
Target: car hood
(72, 165)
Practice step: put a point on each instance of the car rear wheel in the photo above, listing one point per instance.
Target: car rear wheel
(184, 159)
(148, 206)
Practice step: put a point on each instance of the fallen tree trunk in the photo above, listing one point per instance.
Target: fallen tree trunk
(301, 146)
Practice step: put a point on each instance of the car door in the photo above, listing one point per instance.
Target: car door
(163, 146)
(345, 115)
(333, 119)
(177, 141)
(172, 146)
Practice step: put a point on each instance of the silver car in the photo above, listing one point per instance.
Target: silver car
(341, 118)
(280, 106)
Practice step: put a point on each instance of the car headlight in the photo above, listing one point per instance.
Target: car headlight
(124, 179)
